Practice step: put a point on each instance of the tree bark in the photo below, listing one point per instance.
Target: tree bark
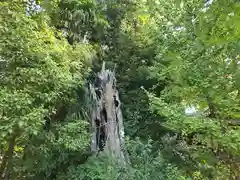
(106, 117)
(6, 166)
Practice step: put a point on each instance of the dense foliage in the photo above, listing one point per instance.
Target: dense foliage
(178, 71)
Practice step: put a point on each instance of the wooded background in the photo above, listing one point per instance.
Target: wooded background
(177, 69)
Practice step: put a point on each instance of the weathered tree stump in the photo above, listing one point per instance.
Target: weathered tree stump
(106, 117)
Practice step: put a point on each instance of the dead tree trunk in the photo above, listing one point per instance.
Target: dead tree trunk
(106, 117)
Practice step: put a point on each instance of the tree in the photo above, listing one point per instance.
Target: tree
(177, 67)
(39, 74)
(201, 68)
